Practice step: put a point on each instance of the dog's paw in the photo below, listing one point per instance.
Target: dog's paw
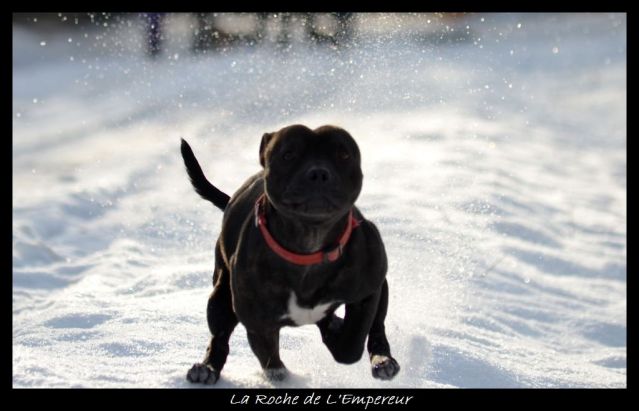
(202, 373)
(276, 374)
(383, 367)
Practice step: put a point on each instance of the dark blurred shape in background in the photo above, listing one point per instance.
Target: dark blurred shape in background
(154, 32)
(215, 32)
(212, 31)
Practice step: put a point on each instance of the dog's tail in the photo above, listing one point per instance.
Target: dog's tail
(202, 186)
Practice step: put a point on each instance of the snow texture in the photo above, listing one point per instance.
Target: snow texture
(494, 156)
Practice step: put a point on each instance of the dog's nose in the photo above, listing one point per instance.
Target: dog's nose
(318, 175)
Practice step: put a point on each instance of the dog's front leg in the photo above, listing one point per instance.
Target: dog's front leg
(266, 346)
(345, 338)
(383, 365)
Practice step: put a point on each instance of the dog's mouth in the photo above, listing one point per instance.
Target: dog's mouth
(314, 205)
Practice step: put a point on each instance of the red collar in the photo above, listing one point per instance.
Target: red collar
(303, 259)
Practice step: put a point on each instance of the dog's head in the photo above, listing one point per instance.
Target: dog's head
(311, 174)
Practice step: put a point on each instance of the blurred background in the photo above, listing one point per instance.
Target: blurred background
(163, 43)
(205, 56)
(494, 154)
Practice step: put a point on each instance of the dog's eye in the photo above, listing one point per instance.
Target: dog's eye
(288, 155)
(343, 155)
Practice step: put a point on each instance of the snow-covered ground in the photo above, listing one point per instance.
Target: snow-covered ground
(494, 164)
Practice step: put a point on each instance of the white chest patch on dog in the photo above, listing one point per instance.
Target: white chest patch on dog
(300, 315)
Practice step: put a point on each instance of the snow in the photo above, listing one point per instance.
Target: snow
(494, 164)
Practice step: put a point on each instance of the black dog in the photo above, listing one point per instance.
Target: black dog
(293, 248)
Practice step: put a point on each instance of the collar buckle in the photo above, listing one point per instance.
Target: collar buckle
(333, 255)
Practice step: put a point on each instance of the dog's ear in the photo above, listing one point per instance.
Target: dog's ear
(266, 138)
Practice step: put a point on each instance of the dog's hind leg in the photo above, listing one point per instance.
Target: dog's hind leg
(383, 365)
(265, 345)
(222, 321)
